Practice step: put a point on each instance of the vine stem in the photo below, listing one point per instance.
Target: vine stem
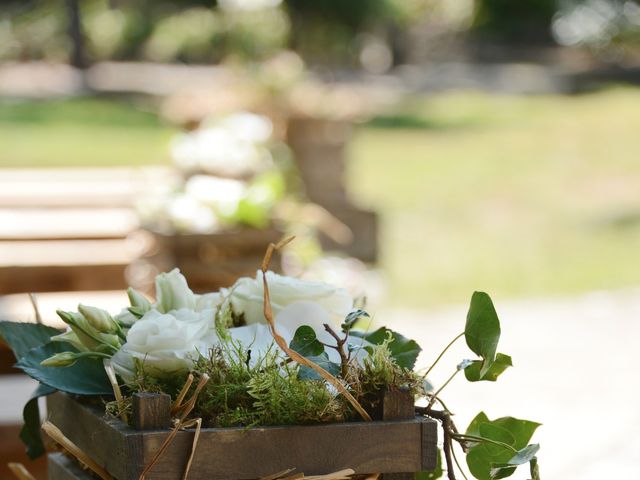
(435, 395)
(442, 354)
(464, 436)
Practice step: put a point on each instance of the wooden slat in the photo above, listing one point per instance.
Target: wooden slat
(239, 453)
(234, 453)
(109, 442)
(62, 467)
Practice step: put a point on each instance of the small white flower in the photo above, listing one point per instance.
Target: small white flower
(173, 292)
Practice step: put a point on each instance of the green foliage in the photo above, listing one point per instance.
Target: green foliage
(351, 319)
(482, 330)
(22, 337)
(403, 350)
(268, 392)
(30, 432)
(499, 444)
(85, 377)
(501, 363)
(306, 343)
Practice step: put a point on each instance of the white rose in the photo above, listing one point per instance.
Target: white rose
(166, 343)
(258, 338)
(173, 293)
(211, 301)
(246, 297)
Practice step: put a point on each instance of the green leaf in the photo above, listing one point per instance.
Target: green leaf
(22, 337)
(525, 455)
(501, 363)
(306, 343)
(351, 319)
(522, 430)
(85, 377)
(534, 469)
(403, 350)
(434, 474)
(482, 457)
(482, 330)
(307, 373)
(30, 432)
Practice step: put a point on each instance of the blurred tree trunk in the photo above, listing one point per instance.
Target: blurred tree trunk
(78, 58)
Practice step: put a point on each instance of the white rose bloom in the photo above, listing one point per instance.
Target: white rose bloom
(166, 343)
(246, 297)
(258, 338)
(173, 292)
(208, 301)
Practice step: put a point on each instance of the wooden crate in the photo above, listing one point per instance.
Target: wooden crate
(209, 261)
(397, 447)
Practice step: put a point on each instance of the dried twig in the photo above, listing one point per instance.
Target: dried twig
(34, 304)
(20, 471)
(339, 347)
(198, 423)
(111, 374)
(55, 433)
(268, 313)
(177, 405)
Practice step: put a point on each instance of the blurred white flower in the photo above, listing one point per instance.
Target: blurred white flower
(221, 194)
(188, 214)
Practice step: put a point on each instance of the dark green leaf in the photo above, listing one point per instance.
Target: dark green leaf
(525, 455)
(85, 377)
(322, 360)
(306, 343)
(434, 474)
(30, 433)
(501, 363)
(482, 457)
(351, 319)
(482, 330)
(22, 337)
(403, 350)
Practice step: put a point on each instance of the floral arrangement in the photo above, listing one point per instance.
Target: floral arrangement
(269, 350)
(231, 177)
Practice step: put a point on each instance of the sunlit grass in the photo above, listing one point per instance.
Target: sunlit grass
(518, 196)
(513, 195)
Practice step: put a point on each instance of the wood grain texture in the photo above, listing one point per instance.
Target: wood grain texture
(62, 467)
(109, 442)
(151, 411)
(239, 453)
(370, 447)
(397, 405)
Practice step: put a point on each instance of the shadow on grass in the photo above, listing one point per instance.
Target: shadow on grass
(416, 122)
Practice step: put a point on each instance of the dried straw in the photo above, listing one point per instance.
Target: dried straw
(20, 471)
(268, 313)
(55, 433)
(111, 374)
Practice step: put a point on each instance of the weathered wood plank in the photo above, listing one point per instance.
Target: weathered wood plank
(239, 453)
(151, 411)
(110, 443)
(62, 467)
(374, 447)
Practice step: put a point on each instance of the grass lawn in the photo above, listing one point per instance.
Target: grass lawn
(518, 196)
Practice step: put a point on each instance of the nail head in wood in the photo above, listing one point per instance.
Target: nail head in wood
(151, 411)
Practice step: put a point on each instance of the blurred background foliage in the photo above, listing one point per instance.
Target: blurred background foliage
(325, 32)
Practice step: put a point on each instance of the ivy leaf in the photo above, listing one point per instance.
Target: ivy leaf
(403, 350)
(525, 455)
(306, 343)
(501, 363)
(85, 377)
(22, 337)
(307, 373)
(483, 457)
(30, 432)
(482, 330)
(433, 474)
(351, 319)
